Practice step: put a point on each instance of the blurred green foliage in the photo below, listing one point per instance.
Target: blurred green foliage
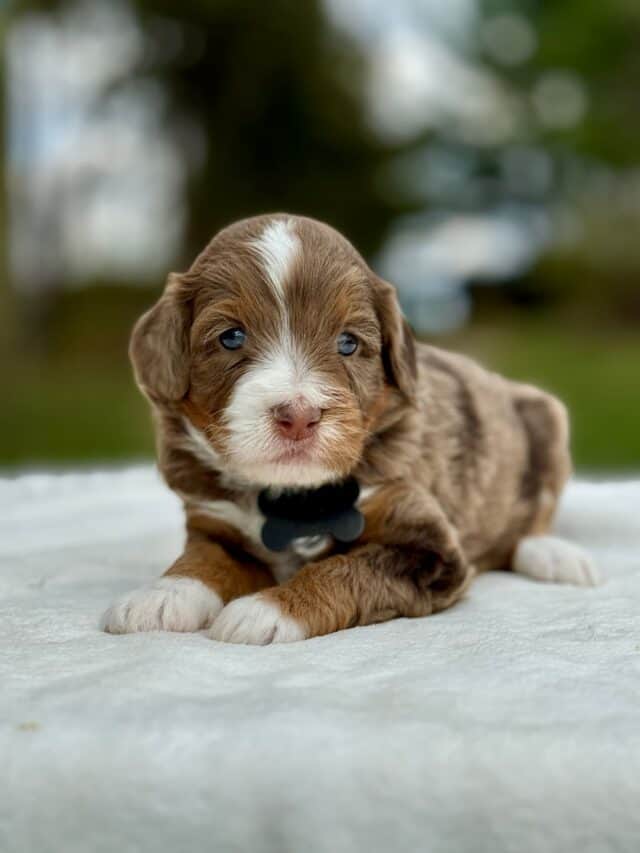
(265, 101)
(598, 41)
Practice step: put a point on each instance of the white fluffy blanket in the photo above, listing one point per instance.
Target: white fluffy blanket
(509, 723)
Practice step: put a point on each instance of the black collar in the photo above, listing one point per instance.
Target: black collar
(311, 512)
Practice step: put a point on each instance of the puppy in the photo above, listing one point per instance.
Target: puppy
(285, 382)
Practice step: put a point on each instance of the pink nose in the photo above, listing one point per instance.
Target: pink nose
(296, 422)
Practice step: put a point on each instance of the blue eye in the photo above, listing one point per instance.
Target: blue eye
(232, 338)
(347, 343)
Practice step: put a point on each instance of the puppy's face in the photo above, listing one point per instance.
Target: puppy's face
(281, 346)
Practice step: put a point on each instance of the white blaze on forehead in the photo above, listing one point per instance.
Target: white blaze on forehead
(278, 247)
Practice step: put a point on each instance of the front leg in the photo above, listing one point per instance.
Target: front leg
(190, 594)
(409, 563)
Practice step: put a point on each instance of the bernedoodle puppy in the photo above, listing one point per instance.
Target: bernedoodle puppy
(334, 472)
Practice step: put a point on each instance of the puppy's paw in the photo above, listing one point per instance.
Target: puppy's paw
(257, 620)
(169, 604)
(548, 558)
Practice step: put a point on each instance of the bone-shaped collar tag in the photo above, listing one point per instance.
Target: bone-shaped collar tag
(331, 509)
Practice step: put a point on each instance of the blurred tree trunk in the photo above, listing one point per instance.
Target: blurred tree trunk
(7, 294)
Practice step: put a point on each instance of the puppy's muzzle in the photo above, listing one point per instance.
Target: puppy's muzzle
(296, 421)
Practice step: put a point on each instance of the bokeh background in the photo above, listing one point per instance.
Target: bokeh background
(483, 154)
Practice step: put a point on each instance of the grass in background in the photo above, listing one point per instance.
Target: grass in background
(82, 405)
(70, 413)
(79, 403)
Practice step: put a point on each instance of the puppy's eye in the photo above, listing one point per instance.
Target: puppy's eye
(232, 338)
(347, 343)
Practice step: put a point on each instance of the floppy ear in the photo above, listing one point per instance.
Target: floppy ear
(159, 346)
(398, 346)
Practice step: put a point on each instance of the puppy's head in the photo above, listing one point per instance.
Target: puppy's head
(281, 346)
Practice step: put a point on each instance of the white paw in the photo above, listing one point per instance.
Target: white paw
(253, 619)
(169, 604)
(548, 558)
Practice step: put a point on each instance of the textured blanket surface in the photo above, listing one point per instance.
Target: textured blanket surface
(509, 723)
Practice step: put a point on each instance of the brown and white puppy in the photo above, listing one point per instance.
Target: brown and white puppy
(281, 360)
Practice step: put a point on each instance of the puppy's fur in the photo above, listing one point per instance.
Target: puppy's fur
(460, 470)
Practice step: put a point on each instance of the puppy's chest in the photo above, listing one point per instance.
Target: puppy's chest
(284, 564)
(247, 520)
